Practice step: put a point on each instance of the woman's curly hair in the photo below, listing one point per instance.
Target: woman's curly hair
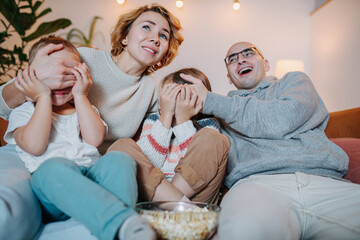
(123, 26)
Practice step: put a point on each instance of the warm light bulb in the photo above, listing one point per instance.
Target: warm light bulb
(236, 5)
(121, 2)
(179, 3)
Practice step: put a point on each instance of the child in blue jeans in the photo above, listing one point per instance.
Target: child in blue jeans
(56, 136)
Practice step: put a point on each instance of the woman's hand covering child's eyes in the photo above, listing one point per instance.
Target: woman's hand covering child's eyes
(50, 70)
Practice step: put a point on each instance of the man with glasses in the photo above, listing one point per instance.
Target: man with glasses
(284, 174)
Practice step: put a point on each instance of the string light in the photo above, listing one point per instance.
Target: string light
(236, 5)
(121, 2)
(179, 3)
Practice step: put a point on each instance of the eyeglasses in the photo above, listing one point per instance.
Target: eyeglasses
(246, 53)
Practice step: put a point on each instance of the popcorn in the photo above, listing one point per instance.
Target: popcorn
(191, 224)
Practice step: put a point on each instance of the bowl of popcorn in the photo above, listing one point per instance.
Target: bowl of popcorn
(181, 220)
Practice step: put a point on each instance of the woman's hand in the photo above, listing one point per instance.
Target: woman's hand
(167, 100)
(83, 80)
(50, 70)
(186, 105)
(28, 83)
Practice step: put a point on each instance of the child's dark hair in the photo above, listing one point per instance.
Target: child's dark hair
(175, 78)
(48, 40)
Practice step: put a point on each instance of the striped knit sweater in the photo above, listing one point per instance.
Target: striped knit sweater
(165, 147)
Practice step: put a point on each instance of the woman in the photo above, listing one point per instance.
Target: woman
(143, 41)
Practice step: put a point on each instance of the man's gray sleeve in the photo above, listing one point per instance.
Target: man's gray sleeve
(289, 105)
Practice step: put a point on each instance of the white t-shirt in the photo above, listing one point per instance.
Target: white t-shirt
(64, 140)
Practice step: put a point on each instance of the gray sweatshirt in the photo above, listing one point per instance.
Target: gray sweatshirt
(277, 128)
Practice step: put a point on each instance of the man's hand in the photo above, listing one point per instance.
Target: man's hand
(198, 85)
(83, 80)
(186, 104)
(27, 83)
(52, 71)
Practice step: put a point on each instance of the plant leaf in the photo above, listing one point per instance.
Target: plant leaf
(3, 36)
(27, 20)
(47, 28)
(46, 11)
(10, 11)
(3, 23)
(22, 56)
(92, 28)
(37, 5)
(75, 33)
(4, 51)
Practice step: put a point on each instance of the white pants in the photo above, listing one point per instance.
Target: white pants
(290, 206)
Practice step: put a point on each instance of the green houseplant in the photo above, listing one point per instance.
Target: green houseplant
(78, 38)
(17, 19)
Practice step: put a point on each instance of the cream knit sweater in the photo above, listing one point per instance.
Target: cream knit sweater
(123, 100)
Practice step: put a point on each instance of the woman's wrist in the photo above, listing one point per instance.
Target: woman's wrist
(12, 96)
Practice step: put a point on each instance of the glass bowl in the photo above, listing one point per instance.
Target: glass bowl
(181, 220)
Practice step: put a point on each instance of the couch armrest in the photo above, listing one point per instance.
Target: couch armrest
(344, 124)
(3, 127)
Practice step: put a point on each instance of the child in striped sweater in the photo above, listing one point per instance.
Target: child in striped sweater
(165, 137)
(181, 154)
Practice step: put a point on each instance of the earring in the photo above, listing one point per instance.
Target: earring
(159, 64)
(124, 42)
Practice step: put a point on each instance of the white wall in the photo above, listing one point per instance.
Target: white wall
(279, 27)
(327, 41)
(335, 53)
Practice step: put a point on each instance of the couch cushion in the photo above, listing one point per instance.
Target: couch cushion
(69, 230)
(352, 148)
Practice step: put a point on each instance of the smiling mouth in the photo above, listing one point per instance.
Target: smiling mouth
(62, 91)
(245, 71)
(150, 50)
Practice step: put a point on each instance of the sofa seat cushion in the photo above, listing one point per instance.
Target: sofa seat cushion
(352, 148)
(69, 230)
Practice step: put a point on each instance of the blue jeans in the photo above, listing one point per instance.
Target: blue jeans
(20, 212)
(101, 196)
